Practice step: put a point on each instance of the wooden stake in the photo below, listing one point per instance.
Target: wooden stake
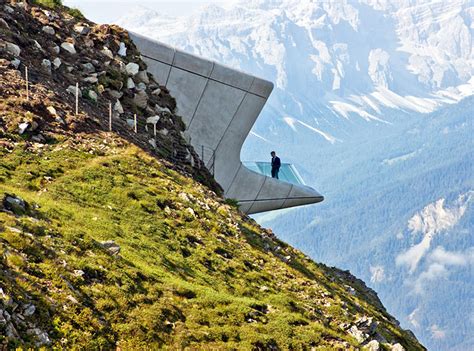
(27, 84)
(77, 98)
(135, 122)
(154, 129)
(110, 116)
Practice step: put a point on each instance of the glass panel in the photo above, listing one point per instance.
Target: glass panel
(288, 172)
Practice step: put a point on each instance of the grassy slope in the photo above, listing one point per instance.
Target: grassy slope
(211, 277)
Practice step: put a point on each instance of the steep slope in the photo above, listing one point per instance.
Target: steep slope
(108, 242)
(374, 105)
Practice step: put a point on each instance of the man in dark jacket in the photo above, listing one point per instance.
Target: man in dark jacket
(275, 164)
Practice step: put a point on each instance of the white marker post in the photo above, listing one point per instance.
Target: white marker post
(27, 84)
(77, 99)
(135, 122)
(154, 129)
(110, 116)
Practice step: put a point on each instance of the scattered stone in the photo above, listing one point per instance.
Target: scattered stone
(15, 63)
(38, 46)
(373, 345)
(22, 127)
(153, 120)
(141, 86)
(46, 65)
(9, 9)
(156, 92)
(359, 335)
(52, 111)
(130, 83)
(88, 67)
(56, 49)
(82, 30)
(78, 272)
(132, 69)
(91, 80)
(92, 95)
(164, 132)
(118, 107)
(152, 142)
(29, 310)
(57, 62)
(69, 47)
(49, 30)
(38, 139)
(111, 247)
(72, 90)
(115, 94)
(130, 122)
(43, 337)
(13, 49)
(142, 77)
(15, 204)
(106, 51)
(122, 50)
(141, 99)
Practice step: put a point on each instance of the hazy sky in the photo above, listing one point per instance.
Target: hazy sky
(104, 11)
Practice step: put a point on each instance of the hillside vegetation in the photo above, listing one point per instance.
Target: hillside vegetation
(108, 241)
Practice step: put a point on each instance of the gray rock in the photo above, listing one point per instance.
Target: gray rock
(42, 336)
(122, 50)
(46, 64)
(15, 204)
(106, 51)
(156, 92)
(49, 30)
(164, 132)
(81, 29)
(38, 139)
(15, 63)
(9, 9)
(13, 49)
(88, 67)
(160, 109)
(141, 86)
(52, 111)
(142, 77)
(72, 90)
(78, 273)
(130, 83)
(57, 62)
(359, 335)
(152, 143)
(11, 331)
(141, 99)
(118, 107)
(92, 95)
(38, 46)
(111, 247)
(56, 49)
(153, 120)
(132, 69)
(29, 310)
(115, 94)
(69, 47)
(91, 80)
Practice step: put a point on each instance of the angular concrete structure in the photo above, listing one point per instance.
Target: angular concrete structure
(219, 106)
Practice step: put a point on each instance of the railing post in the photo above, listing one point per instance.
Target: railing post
(135, 122)
(77, 99)
(27, 84)
(110, 116)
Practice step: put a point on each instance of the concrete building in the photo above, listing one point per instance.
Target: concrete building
(219, 106)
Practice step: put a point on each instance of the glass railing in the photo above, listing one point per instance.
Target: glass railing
(288, 172)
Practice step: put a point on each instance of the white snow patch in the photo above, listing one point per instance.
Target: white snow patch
(293, 121)
(401, 158)
(432, 220)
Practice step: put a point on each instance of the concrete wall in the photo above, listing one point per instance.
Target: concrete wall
(219, 106)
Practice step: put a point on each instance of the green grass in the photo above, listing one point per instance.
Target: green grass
(52, 4)
(205, 278)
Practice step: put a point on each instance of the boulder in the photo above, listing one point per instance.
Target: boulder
(111, 247)
(15, 204)
(106, 51)
(118, 107)
(13, 49)
(22, 127)
(91, 80)
(132, 69)
(142, 77)
(15, 63)
(141, 86)
(72, 90)
(122, 50)
(92, 95)
(29, 310)
(130, 83)
(4, 24)
(115, 94)
(49, 30)
(156, 92)
(57, 62)
(141, 99)
(68, 47)
(56, 49)
(46, 64)
(81, 29)
(153, 120)
(398, 347)
(88, 67)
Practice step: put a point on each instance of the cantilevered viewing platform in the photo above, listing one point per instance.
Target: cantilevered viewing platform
(219, 106)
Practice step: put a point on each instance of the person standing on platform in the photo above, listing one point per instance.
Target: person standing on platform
(276, 163)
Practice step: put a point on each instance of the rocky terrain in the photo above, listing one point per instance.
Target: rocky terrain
(116, 239)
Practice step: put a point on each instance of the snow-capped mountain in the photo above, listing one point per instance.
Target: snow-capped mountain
(374, 104)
